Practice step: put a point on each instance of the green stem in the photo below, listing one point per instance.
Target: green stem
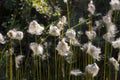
(6, 67)
(37, 68)
(63, 71)
(55, 61)
(68, 15)
(48, 66)
(11, 70)
(21, 70)
(80, 23)
(116, 75)
(34, 67)
(110, 66)
(105, 55)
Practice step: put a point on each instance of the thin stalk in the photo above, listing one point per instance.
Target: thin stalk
(59, 67)
(20, 47)
(110, 66)
(105, 55)
(80, 23)
(11, 63)
(68, 14)
(44, 39)
(74, 50)
(37, 68)
(35, 63)
(70, 64)
(86, 61)
(40, 74)
(34, 68)
(115, 17)
(48, 72)
(90, 25)
(17, 74)
(11, 71)
(21, 70)
(116, 75)
(99, 36)
(63, 71)
(26, 63)
(55, 62)
(89, 57)
(6, 62)
(116, 72)
(6, 67)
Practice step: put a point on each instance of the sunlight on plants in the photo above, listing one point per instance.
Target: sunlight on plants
(59, 40)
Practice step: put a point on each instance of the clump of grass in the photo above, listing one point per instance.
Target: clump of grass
(60, 52)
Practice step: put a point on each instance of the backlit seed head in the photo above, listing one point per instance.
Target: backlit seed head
(36, 48)
(18, 59)
(63, 47)
(54, 31)
(92, 69)
(35, 28)
(115, 4)
(114, 63)
(91, 7)
(2, 40)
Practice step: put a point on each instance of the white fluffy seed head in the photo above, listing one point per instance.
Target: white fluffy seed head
(116, 44)
(36, 48)
(107, 19)
(76, 72)
(18, 59)
(109, 37)
(74, 41)
(90, 34)
(91, 7)
(71, 33)
(118, 56)
(92, 69)
(54, 31)
(114, 63)
(13, 34)
(2, 40)
(115, 4)
(111, 28)
(63, 48)
(93, 51)
(81, 20)
(19, 35)
(65, 1)
(35, 28)
(62, 22)
(64, 19)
